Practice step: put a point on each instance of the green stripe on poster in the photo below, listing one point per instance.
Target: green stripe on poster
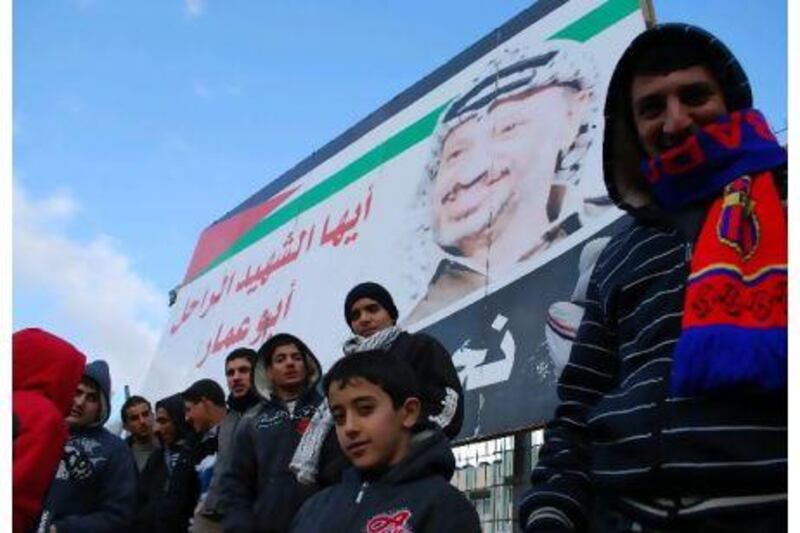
(581, 30)
(597, 20)
(389, 149)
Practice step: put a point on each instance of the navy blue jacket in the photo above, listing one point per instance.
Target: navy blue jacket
(95, 485)
(94, 490)
(259, 492)
(415, 495)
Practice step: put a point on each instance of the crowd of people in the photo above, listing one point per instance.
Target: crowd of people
(673, 401)
(271, 456)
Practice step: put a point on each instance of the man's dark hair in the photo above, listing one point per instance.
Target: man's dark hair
(242, 353)
(205, 389)
(667, 57)
(283, 339)
(382, 369)
(132, 402)
(671, 47)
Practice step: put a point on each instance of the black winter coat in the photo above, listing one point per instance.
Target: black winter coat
(166, 498)
(415, 495)
(259, 492)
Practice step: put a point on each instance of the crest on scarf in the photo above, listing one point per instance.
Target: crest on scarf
(738, 225)
(392, 522)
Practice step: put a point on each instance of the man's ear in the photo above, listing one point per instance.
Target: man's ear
(411, 410)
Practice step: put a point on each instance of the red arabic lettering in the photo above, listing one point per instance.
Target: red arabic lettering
(342, 232)
(233, 336)
(269, 318)
(214, 299)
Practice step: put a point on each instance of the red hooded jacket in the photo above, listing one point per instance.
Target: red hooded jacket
(46, 372)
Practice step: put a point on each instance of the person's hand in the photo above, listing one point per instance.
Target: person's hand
(53, 529)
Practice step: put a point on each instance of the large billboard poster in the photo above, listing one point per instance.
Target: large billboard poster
(476, 197)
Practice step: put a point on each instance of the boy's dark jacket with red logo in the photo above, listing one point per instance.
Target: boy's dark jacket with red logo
(415, 495)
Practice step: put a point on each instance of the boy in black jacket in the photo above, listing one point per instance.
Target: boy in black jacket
(400, 479)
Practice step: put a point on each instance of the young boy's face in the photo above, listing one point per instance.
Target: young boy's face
(371, 431)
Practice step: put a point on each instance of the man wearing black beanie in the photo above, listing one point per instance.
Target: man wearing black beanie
(372, 291)
(371, 314)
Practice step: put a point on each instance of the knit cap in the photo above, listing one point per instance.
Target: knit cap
(373, 291)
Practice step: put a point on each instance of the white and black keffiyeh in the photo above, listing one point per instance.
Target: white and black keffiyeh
(305, 462)
(380, 340)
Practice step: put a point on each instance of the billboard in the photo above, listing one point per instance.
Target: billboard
(476, 197)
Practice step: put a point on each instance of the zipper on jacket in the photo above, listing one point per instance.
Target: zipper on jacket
(360, 495)
(353, 514)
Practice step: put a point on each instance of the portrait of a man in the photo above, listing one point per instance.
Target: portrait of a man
(502, 182)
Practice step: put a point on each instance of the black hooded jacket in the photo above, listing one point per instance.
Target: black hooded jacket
(168, 488)
(415, 495)
(259, 492)
(618, 439)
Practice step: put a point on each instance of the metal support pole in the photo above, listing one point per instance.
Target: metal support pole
(522, 469)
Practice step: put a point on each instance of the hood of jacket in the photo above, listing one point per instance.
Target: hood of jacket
(97, 371)
(174, 407)
(263, 384)
(622, 152)
(48, 365)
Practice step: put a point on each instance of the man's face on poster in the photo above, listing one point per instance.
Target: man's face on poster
(500, 168)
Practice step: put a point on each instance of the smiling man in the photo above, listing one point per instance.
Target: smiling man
(673, 411)
(259, 491)
(95, 486)
(501, 187)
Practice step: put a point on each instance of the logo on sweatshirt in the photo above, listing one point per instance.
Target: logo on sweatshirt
(302, 425)
(74, 465)
(392, 522)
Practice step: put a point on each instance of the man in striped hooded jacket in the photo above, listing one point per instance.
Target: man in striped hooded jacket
(673, 402)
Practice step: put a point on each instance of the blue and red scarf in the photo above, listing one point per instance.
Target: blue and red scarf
(734, 333)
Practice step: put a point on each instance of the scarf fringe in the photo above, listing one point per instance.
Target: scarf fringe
(732, 357)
